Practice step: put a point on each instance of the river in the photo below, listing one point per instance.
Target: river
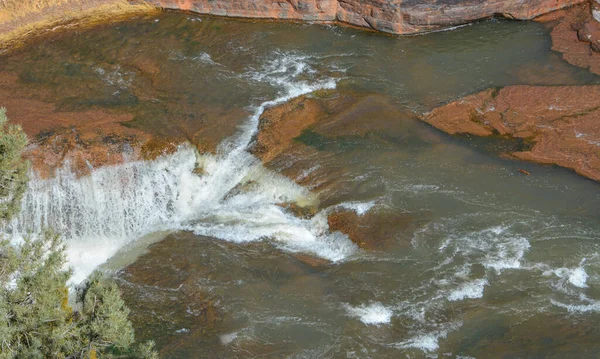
(484, 261)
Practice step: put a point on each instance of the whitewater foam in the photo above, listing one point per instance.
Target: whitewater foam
(575, 276)
(428, 342)
(372, 314)
(360, 208)
(471, 290)
(588, 305)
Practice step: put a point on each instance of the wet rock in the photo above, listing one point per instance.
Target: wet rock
(156, 147)
(311, 260)
(311, 140)
(575, 34)
(372, 230)
(559, 122)
(300, 211)
(315, 120)
(91, 123)
(167, 304)
(279, 126)
(393, 16)
(590, 32)
(80, 150)
(543, 335)
(86, 139)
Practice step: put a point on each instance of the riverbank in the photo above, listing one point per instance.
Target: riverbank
(20, 20)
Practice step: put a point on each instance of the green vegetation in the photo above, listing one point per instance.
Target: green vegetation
(13, 169)
(36, 318)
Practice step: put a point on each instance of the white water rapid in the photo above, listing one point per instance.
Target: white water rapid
(235, 198)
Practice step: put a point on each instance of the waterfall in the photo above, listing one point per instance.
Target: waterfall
(234, 198)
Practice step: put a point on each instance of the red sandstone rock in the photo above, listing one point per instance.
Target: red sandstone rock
(371, 231)
(563, 122)
(310, 10)
(576, 34)
(330, 116)
(165, 277)
(590, 32)
(393, 16)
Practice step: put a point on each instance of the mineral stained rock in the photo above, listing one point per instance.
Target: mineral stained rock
(562, 122)
(393, 16)
(576, 35)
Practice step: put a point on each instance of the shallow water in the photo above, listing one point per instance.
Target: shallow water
(497, 265)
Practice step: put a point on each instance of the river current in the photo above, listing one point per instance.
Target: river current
(497, 265)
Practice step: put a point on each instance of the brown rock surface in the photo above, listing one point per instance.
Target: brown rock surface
(411, 16)
(562, 122)
(304, 139)
(576, 35)
(311, 10)
(167, 303)
(372, 230)
(86, 139)
(325, 113)
(393, 16)
(590, 32)
(88, 125)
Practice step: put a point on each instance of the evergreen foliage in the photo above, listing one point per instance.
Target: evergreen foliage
(36, 320)
(13, 169)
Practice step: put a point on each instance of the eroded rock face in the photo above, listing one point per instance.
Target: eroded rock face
(310, 10)
(411, 16)
(561, 122)
(590, 32)
(393, 16)
(576, 34)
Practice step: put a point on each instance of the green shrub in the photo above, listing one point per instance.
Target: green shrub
(36, 320)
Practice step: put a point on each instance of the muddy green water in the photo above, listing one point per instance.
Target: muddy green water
(499, 265)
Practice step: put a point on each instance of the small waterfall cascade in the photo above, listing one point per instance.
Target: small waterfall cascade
(234, 198)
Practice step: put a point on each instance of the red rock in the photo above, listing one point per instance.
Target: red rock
(412, 16)
(310, 10)
(162, 290)
(341, 112)
(561, 121)
(393, 16)
(575, 34)
(373, 230)
(590, 32)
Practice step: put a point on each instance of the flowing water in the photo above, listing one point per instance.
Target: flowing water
(499, 265)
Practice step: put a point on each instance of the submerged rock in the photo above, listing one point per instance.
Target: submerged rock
(118, 113)
(167, 303)
(316, 120)
(372, 230)
(560, 123)
(311, 139)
